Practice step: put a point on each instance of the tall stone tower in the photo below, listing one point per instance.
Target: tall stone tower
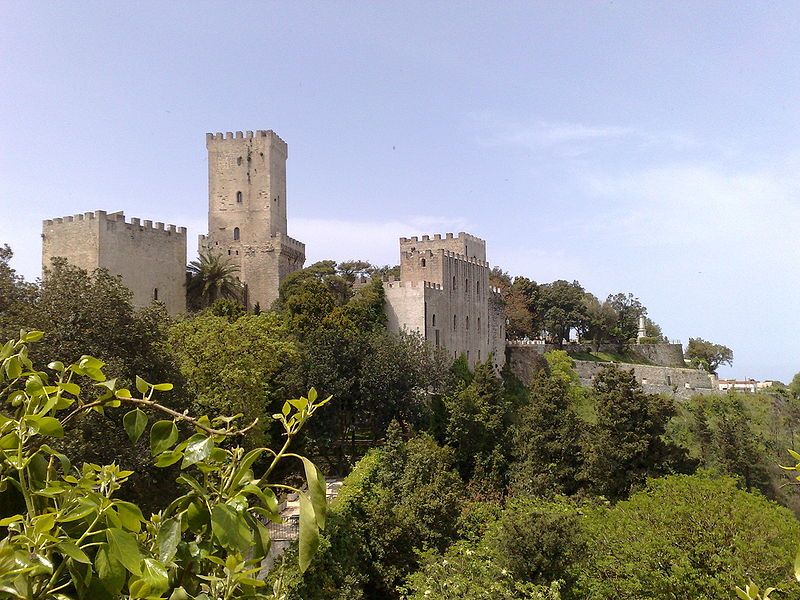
(247, 211)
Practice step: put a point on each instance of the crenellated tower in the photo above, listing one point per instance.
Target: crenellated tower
(247, 210)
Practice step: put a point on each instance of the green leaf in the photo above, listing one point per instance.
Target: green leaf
(75, 553)
(312, 395)
(141, 385)
(196, 451)
(245, 464)
(179, 594)
(170, 457)
(162, 435)
(309, 533)
(169, 536)
(123, 546)
(56, 365)
(33, 336)
(316, 489)
(162, 387)
(153, 581)
(110, 571)
(134, 422)
(50, 426)
(13, 367)
(230, 528)
(130, 515)
(70, 388)
(9, 520)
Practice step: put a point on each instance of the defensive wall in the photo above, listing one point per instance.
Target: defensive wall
(150, 257)
(662, 355)
(674, 381)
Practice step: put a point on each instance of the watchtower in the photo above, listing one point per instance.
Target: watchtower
(247, 211)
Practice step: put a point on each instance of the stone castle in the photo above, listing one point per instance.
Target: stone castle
(247, 211)
(151, 258)
(443, 292)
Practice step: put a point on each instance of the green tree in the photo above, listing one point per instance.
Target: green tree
(708, 355)
(468, 572)
(601, 318)
(212, 277)
(477, 427)
(687, 537)
(244, 367)
(538, 541)
(522, 309)
(350, 269)
(17, 297)
(562, 309)
(546, 441)
(626, 444)
(627, 309)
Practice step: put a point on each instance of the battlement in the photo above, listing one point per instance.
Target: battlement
(462, 236)
(463, 243)
(237, 136)
(415, 254)
(394, 284)
(117, 218)
(285, 239)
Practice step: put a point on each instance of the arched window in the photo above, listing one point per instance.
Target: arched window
(467, 323)
(235, 234)
(422, 262)
(155, 293)
(238, 197)
(433, 320)
(454, 322)
(454, 283)
(466, 286)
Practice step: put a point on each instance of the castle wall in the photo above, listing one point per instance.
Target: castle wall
(673, 381)
(150, 258)
(665, 355)
(405, 306)
(247, 211)
(76, 238)
(452, 297)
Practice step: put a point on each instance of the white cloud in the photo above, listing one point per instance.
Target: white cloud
(698, 204)
(570, 139)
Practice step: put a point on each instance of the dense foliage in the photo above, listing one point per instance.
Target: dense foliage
(67, 535)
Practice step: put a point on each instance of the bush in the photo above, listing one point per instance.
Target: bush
(687, 536)
(68, 536)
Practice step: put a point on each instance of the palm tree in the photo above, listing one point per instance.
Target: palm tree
(210, 278)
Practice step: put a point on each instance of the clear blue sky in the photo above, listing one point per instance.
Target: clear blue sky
(650, 147)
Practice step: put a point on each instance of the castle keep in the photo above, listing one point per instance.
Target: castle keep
(444, 294)
(151, 258)
(247, 211)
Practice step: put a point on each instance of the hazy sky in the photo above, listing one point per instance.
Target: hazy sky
(633, 146)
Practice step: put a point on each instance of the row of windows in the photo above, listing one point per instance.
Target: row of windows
(455, 322)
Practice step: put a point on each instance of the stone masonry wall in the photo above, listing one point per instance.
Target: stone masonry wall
(247, 211)
(150, 258)
(680, 382)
